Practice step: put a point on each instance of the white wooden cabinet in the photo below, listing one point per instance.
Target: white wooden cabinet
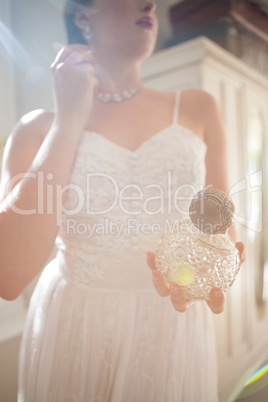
(242, 94)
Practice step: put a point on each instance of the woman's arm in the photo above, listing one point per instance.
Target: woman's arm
(41, 151)
(27, 240)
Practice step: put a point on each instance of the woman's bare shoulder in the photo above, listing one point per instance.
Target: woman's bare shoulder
(197, 97)
(29, 133)
(197, 107)
(192, 106)
(36, 122)
(24, 142)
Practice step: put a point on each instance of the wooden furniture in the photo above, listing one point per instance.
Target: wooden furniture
(252, 14)
(239, 26)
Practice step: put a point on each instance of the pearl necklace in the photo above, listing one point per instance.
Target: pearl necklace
(107, 97)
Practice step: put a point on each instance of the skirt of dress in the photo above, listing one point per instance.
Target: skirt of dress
(89, 345)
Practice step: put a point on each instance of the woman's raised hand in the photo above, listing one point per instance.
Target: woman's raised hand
(217, 298)
(75, 83)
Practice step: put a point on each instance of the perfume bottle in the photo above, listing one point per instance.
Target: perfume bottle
(198, 253)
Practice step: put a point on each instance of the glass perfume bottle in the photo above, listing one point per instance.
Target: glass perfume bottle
(198, 253)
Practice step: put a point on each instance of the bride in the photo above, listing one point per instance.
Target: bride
(96, 328)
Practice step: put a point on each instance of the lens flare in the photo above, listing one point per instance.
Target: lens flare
(257, 375)
(13, 50)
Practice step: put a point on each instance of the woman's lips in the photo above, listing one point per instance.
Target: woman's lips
(146, 22)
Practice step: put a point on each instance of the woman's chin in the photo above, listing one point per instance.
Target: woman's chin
(142, 51)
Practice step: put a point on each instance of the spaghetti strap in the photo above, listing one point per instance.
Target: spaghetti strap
(176, 107)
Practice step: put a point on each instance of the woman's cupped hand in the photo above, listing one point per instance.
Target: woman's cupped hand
(175, 291)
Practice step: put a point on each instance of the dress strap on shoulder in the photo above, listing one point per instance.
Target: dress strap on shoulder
(176, 107)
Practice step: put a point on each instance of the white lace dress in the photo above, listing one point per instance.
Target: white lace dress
(97, 331)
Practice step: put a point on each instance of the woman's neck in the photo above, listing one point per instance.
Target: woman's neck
(117, 75)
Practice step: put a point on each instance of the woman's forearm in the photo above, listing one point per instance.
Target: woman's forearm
(30, 214)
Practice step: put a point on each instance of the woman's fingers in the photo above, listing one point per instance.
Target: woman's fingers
(150, 259)
(73, 54)
(175, 291)
(177, 298)
(61, 56)
(158, 281)
(241, 248)
(217, 300)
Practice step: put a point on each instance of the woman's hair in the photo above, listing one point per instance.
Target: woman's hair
(74, 34)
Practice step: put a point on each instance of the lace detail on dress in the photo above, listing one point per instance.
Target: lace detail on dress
(119, 197)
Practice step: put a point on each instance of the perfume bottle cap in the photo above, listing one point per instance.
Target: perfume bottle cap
(211, 211)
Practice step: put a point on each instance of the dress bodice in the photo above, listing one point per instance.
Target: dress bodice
(119, 202)
(96, 328)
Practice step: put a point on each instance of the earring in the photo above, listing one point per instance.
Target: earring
(87, 33)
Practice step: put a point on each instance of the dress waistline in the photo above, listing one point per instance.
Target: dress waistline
(100, 276)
